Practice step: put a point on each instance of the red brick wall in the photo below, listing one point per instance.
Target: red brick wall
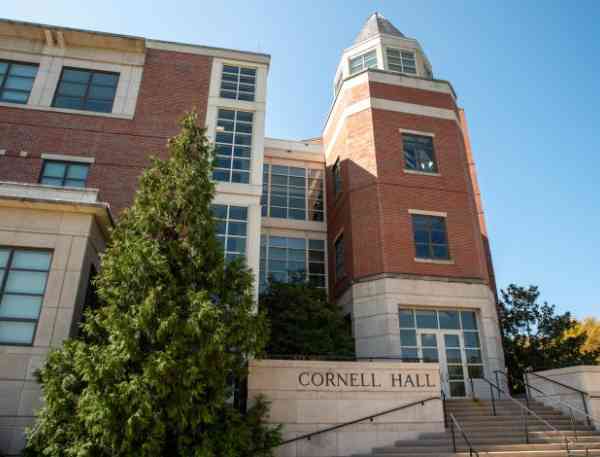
(172, 83)
(373, 209)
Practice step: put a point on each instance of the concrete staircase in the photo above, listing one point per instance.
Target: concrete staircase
(501, 435)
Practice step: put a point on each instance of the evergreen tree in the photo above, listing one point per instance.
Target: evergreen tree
(304, 322)
(150, 375)
(537, 338)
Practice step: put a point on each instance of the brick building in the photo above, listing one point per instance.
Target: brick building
(383, 209)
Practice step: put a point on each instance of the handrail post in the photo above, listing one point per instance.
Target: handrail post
(472, 388)
(497, 379)
(585, 408)
(527, 391)
(493, 401)
(527, 426)
(573, 424)
(444, 408)
(453, 437)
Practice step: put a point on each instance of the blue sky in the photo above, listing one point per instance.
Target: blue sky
(526, 72)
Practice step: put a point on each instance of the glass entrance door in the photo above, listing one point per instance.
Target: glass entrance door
(453, 366)
(448, 337)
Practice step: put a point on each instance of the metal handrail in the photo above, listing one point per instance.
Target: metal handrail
(523, 409)
(308, 436)
(558, 383)
(529, 410)
(454, 423)
(589, 417)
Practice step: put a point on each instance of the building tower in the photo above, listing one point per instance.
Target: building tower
(409, 257)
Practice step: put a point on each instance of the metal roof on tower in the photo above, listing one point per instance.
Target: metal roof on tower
(375, 25)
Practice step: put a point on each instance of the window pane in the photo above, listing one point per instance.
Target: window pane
(236, 244)
(473, 355)
(16, 332)
(475, 371)
(469, 322)
(99, 106)
(408, 337)
(54, 169)
(28, 71)
(471, 339)
(20, 306)
(219, 211)
(407, 318)
(105, 79)
(102, 92)
(31, 260)
(81, 76)
(68, 102)
(52, 181)
(23, 84)
(449, 320)
(237, 228)
(77, 172)
(72, 89)
(409, 354)
(430, 355)
(453, 356)
(29, 282)
(239, 213)
(15, 96)
(426, 319)
(429, 340)
(74, 183)
(451, 341)
(4, 253)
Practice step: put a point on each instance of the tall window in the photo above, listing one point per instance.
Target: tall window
(23, 277)
(285, 259)
(233, 146)
(66, 174)
(431, 241)
(402, 61)
(87, 90)
(238, 83)
(419, 154)
(363, 61)
(337, 178)
(16, 81)
(340, 270)
(292, 192)
(232, 227)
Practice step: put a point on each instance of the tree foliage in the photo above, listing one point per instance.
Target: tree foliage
(304, 322)
(591, 328)
(537, 338)
(150, 375)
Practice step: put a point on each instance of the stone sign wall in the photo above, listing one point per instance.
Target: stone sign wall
(307, 396)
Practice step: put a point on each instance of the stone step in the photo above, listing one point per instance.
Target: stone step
(410, 450)
(500, 440)
(533, 434)
(579, 452)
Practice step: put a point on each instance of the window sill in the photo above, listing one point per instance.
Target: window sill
(423, 173)
(65, 110)
(436, 261)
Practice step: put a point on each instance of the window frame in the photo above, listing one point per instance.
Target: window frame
(7, 269)
(311, 175)
(236, 92)
(265, 245)
(362, 56)
(430, 243)
(64, 177)
(233, 144)
(87, 88)
(339, 261)
(226, 236)
(435, 170)
(10, 63)
(401, 60)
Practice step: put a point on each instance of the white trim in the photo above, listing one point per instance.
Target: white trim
(428, 213)
(293, 145)
(423, 173)
(67, 158)
(65, 111)
(293, 225)
(246, 56)
(438, 261)
(388, 105)
(412, 108)
(416, 132)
